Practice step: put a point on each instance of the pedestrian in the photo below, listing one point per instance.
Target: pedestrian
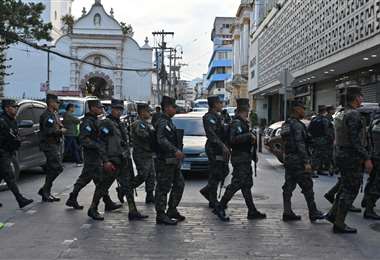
(372, 189)
(169, 175)
(218, 154)
(9, 144)
(94, 156)
(243, 145)
(70, 122)
(350, 130)
(144, 146)
(51, 134)
(321, 130)
(116, 163)
(297, 164)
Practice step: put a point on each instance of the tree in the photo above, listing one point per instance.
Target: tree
(18, 19)
(68, 20)
(127, 29)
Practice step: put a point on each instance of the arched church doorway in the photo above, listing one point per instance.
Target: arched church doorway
(97, 84)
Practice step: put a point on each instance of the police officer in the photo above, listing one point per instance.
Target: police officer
(350, 132)
(218, 154)
(116, 162)
(298, 168)
(9, 144)
(372, 189)
(144, 144)
(321, 130)
(169, 176)
(94, 156)
(51, 133)
(243, 144)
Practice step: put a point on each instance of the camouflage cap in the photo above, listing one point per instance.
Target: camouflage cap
(212, 100)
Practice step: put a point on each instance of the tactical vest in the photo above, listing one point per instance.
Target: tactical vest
(375, 134)
(341, 130)
(245, 147)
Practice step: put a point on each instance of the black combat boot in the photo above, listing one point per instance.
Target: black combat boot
(369, 213)
(344, 230)
(94, 214)
(256, 215)
(288, 214)
(22, 201)
(253, 213)
(73, 202)
(45, 196)
(1, 205)
(221, 213)
(173, 213)
(120, 194)
(314, 213)
(109, 204)
(135, 215)
(149, 199)
(163, 219)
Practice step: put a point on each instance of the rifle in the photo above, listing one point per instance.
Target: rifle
(254, 152)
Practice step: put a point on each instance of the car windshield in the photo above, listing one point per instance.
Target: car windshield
(78, 105)
(201, 104)
(191, 126)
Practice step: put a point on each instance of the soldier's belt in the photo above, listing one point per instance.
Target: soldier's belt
(172, 161)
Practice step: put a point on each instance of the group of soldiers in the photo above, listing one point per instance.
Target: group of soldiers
(157, 152)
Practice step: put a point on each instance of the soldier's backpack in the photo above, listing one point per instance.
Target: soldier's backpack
(316, 127)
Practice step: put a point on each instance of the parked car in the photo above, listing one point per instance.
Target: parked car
(80, 104)
(194, 141)
(29, 154)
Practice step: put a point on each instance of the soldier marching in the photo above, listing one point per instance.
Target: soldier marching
(156, 146)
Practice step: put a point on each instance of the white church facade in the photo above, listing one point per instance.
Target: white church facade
(97, 38)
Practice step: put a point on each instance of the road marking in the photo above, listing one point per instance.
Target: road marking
(69, 241)
(8, 225)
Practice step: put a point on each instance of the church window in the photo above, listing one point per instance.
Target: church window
(55, 15)
(97, 20)
(97, 60)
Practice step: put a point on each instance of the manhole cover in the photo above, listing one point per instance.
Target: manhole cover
(255, 196)
(375, 227)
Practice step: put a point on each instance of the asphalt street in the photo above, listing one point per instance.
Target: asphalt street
(52, 231)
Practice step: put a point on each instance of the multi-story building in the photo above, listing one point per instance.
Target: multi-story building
(327, 46)
(241, 35)
(220, 65)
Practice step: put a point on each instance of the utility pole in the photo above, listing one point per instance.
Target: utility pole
(161, 72)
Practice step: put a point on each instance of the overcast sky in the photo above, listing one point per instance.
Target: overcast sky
(191, 20)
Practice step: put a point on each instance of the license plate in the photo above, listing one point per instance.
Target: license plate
(186, 166)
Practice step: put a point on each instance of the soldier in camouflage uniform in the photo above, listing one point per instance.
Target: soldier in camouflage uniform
(144, 140)
(322, 142)
(372, 189)
(169, 176)
(9, 144)
(243, 144)
(218, 154)
(116, 162)
(94, 156)
(298, 168)
(351, 153)
(51, 133)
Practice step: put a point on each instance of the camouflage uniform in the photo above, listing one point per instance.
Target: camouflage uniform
(169, 176)
(351, 152)
(372, 189)
(143, 135)
(323, 145)
(243, 152)
(115, 144)
(50, 144)
(296, 141)
(94, 156)
(9, 144)
(218, 165)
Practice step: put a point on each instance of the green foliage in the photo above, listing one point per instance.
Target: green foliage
(68, 20)
(127, 29)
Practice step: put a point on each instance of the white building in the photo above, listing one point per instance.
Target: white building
(97, 38)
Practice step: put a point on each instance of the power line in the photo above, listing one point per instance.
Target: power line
(15, 37)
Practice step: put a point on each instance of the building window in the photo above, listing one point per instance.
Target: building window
(97, 60)
(97, 20)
